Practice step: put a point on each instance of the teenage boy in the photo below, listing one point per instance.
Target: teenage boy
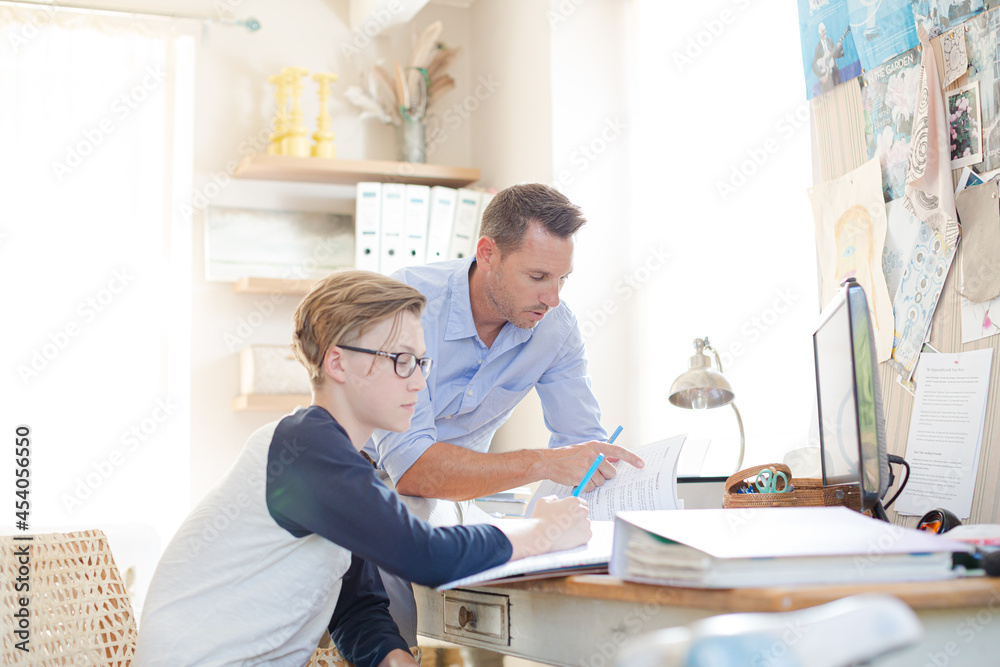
(291, 537)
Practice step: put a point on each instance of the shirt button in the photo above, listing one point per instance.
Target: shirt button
(479, 361)
(470, 392)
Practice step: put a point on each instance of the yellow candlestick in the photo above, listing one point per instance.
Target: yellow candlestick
(324, 146)
(295, 142)
(280, 116)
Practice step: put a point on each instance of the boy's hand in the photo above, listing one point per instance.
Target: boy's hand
(398, 658)
(563, 524)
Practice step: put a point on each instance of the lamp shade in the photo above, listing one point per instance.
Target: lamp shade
(701, 388)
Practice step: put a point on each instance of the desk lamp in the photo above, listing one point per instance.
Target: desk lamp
(701, 387)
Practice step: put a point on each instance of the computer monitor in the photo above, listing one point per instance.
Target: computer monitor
(851, 426)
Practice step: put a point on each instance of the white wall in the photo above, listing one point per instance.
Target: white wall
(234, 106)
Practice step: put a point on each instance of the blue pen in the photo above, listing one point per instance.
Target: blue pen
(590, 473)
(595, 464)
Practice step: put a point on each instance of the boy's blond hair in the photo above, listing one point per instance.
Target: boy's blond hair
(341, 307)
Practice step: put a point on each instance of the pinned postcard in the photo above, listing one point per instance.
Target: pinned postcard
(965, 124)
(829, 56)
(881, 30)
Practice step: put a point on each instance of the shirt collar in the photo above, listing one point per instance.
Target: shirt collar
(460, 323)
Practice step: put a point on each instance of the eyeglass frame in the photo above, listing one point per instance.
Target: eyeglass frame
(419, 361)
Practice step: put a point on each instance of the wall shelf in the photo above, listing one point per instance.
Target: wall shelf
(270, 402)
(252, 285)
(260, 166)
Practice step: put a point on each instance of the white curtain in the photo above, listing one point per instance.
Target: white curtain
(95, 264)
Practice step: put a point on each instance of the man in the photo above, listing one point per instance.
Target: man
(496, 328)
(825, 60)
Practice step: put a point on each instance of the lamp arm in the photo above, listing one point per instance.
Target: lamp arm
(739, 420)
(718, 361)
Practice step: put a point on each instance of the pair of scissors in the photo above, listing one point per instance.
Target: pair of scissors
(767, 481)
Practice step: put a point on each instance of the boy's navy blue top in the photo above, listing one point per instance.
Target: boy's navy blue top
(289, 540)
(325, 487)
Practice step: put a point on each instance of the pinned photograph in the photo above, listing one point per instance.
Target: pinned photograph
(966, 127)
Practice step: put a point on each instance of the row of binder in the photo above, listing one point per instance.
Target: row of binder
(398, 225)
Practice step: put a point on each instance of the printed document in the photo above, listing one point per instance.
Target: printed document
(946, 430)
(652, 487)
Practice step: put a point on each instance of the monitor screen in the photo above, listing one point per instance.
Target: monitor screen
(851, 427)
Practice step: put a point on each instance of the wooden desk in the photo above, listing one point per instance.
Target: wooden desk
(581, 621)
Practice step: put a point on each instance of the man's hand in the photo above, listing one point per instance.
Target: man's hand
(567, 465)
(398, 658)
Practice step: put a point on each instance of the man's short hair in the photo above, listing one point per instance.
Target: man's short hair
(340, 308)
(508, 216)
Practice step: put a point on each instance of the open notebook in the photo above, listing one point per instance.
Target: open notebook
(590, 558)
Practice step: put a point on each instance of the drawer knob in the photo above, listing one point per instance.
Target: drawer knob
(466, 617)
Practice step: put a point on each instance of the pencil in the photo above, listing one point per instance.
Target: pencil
(590, 473)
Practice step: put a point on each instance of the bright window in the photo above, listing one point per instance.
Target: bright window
(95, 267)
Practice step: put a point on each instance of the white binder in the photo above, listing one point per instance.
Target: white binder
(442, 217)
(415, 226)
(465, 226)
(367, 226)
(392, 250)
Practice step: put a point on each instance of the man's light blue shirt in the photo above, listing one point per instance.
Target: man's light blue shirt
(472, 388)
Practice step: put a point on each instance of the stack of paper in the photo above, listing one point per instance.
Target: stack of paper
(736, 548)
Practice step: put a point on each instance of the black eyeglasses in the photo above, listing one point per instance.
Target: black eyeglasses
(405, 363)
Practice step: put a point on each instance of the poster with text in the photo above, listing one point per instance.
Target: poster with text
(889, 98)
(984, 67)
(829, 56)
(881, 30)
(936, 16)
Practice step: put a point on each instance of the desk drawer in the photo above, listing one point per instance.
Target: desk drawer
(481, 616)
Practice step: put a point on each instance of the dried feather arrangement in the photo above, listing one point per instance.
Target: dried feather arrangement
(406, 93)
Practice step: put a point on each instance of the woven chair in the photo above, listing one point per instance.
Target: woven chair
(79, 610)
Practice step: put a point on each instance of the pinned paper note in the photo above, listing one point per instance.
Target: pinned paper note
(979, 210)
(946, 430)
(981, 43)
(956, 56)
(849, 214)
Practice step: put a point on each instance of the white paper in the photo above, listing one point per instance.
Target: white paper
(652, 487)
(597, 552)
(946, 430)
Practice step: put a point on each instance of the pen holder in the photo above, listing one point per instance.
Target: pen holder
(805, 492)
